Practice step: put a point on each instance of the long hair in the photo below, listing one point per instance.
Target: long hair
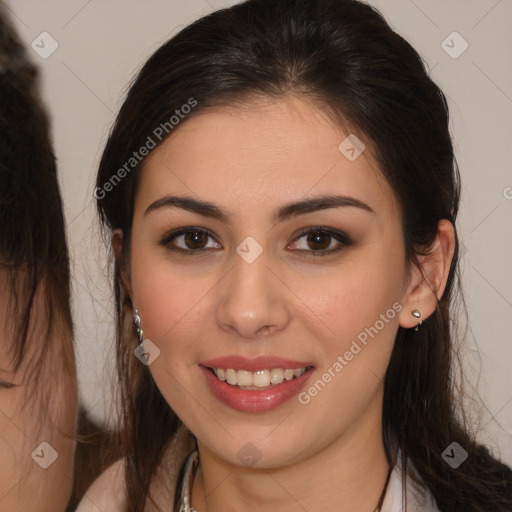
(34, 260)
(342, 55)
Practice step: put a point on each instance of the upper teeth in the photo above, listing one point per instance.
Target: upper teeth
(259, 379)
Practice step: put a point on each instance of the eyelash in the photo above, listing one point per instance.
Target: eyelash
(341, 237)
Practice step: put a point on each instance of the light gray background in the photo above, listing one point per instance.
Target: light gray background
(102, 44)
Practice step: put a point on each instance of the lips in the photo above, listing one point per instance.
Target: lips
(224, 376)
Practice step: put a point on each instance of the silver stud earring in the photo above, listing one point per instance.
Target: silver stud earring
(416, 314)
(138, 330)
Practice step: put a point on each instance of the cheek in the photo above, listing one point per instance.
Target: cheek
(352, 298)
(165, 301)
(170, 303)
(359, 310)
(360, 315)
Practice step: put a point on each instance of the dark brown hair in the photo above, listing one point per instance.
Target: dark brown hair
(33, 253)
(343, 56)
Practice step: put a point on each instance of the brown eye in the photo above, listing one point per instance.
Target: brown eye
(189, 241)
(196, 239)
(320, 241)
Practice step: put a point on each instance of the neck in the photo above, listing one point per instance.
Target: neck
(347, 475)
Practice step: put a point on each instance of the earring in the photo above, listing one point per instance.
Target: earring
(416, 314)
(138, 330)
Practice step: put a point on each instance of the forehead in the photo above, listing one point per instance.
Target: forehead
(259, 153)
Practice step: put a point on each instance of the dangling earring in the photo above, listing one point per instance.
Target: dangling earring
(138, 330)
(416, 314)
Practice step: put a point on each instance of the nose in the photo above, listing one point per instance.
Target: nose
(253, 300)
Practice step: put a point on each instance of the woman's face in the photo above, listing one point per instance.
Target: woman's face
(245, 287)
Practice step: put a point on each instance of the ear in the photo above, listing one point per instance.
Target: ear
(428, 282)
(117, 248)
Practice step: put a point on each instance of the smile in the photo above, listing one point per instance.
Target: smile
(261, 379)
(257, 385)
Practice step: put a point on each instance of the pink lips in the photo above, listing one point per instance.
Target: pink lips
(254, 400)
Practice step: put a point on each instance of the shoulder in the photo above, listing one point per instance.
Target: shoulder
(106, 492)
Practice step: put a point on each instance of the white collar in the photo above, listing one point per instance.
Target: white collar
(394, 501)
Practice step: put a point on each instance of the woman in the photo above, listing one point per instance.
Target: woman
(38, 391)
(281, 190)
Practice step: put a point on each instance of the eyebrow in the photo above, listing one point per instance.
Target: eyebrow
(285, 212)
